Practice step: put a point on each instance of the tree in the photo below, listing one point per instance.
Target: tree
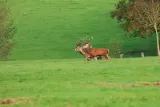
(139, 17)
(7, 30)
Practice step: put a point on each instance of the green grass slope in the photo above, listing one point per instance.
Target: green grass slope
(63, 83)
(49, 29)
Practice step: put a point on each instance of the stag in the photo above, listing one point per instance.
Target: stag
(92, 53)
(86, 44)
(96, 52)
(79, 48)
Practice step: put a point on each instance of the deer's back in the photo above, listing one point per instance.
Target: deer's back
(96, 51)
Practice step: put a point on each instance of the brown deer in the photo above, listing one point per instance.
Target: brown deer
(86, 44)
(91, 53)
(79, 48)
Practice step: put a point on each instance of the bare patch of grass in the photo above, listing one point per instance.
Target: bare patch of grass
(16, 101)
(140, 84)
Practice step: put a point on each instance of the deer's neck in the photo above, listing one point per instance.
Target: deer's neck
(83, 51)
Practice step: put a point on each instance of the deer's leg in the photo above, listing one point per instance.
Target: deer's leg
(95, 58)
(107, 57)
(88, 59)
(85, 60)
(99, 57)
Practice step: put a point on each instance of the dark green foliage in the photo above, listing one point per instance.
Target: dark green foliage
(115, 46)
(136, 17)
(7, 30)
(141, 18)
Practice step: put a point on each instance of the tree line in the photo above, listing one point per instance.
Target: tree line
(139, 18)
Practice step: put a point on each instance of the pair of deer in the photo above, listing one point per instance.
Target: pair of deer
(91, 53)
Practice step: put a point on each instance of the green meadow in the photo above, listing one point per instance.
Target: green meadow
(71, 83)
(45, 71)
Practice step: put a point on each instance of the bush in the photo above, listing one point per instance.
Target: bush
(7, 31)
(115, 47)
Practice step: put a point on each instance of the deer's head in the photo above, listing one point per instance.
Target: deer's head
(79, 45)
(86, 42)
(83, 43)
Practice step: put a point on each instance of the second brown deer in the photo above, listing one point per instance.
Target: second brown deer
(92, 53)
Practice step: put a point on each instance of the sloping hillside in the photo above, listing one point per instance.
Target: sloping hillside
(50, 28)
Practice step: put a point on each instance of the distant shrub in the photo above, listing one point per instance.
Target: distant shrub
(115, 47)
(7, 31)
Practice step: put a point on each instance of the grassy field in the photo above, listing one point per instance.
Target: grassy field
(71, 83)
(45, 71)
(49, 29)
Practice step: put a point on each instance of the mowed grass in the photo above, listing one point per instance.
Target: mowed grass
(49, 29)
(72, 83)
(45, 72)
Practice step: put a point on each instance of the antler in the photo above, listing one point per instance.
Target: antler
(85, 40)
(89, 39)
(79, 43)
